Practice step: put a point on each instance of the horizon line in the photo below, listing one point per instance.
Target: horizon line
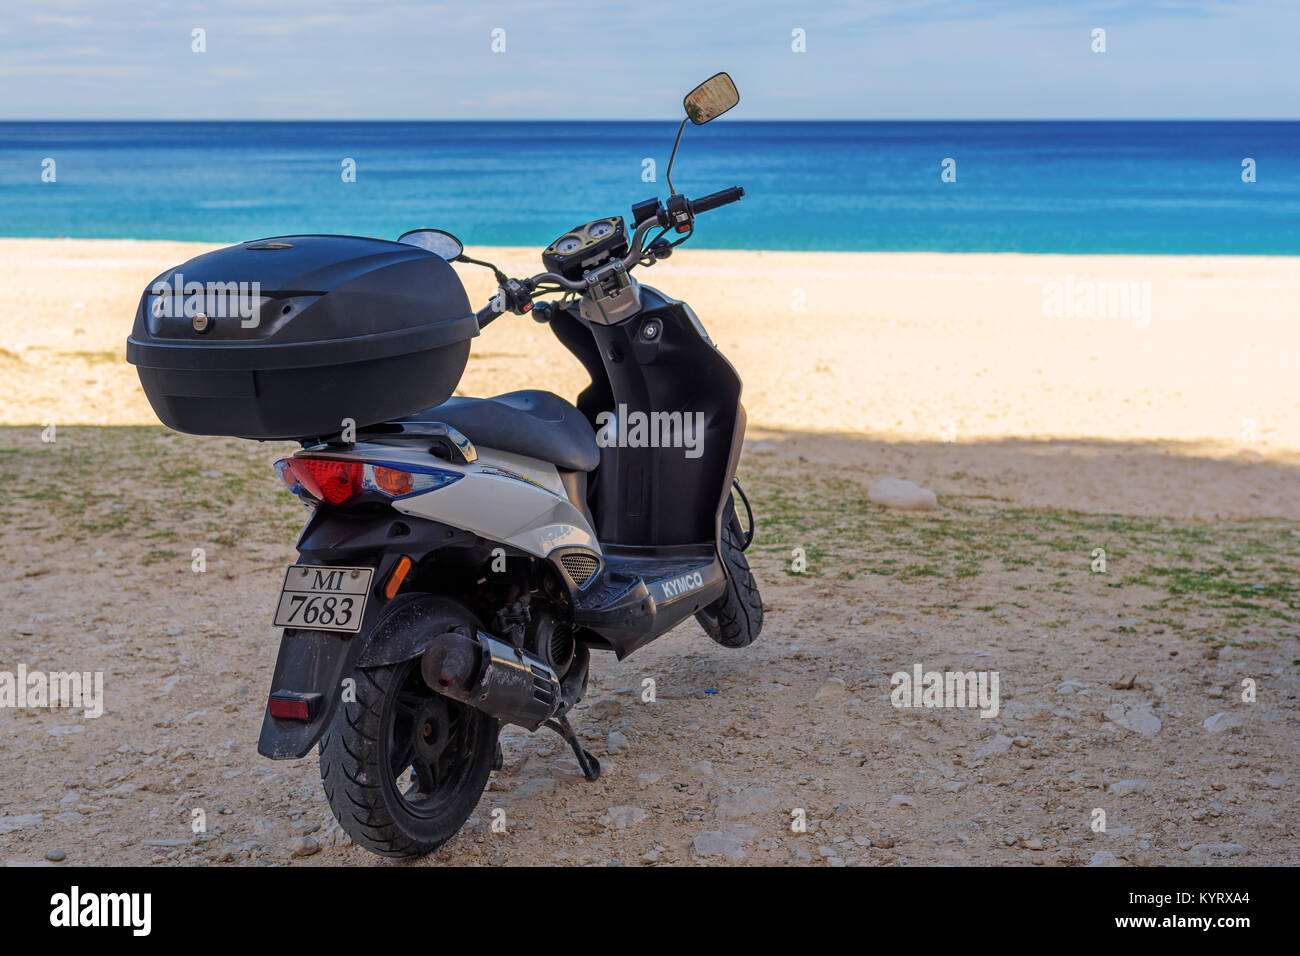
(991, 119)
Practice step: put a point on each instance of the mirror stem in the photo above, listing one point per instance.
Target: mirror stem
(671, 159)
(497, 273)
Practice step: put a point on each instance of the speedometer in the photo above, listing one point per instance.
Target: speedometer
(586, 247)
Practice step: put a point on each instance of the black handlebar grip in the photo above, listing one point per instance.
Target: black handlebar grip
(721, 198)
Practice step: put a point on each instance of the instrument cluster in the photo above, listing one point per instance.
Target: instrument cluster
(585, 247)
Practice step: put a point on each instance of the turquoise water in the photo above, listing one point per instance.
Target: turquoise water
(1066, 187)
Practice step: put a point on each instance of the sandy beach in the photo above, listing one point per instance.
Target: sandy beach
(1055, 404)
(992, 362)
(904, 346)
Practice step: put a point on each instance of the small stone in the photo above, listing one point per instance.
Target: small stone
(1218, 851)
(1103, 858)
(20, 821)
(1138, 718)
(901, 800)
(997, 744)
(1123, 788)
(903, 494)
(713, 843)
(56, 856)
(1125, 682)
(1034, 843)
(955, 786)
(331, 834)
(304, 846)
(883, 843)
(616, 742)
(748, 801)
(833, 689)
(607, 709)
(651, 856)
(620, 818)
(1224, 722)
(1275, 783)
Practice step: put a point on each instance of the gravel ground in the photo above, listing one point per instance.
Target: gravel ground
(1121, 691)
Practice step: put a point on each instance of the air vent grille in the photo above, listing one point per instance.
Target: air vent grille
(580, 566)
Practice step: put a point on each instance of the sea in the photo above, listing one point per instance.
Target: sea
(1160, 187)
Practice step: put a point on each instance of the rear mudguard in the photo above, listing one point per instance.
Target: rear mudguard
(314, 664)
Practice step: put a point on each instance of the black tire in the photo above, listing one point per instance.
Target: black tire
(736, 618)
(371, 749)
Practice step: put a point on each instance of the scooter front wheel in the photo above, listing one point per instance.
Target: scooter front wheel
(402, 766)
(736, 618)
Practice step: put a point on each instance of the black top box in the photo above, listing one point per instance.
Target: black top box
(292, 337)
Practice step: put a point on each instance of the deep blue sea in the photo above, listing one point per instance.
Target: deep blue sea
(1067, 187)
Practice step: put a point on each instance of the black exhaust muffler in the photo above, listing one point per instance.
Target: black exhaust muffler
(503, 681)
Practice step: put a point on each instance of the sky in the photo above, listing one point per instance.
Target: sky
(556, 59)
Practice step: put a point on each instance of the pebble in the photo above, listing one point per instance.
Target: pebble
(901, 493)
(713, 843)
(331, 834)
(607, 709)
(20, 821)
(1218, 851)
(746, 802)
(1223, 722)
(304, 846)
(616, 742)
(833, 689)
(901, 800)
(56, 856)
(620, 818)
(1123, 788)
(1103, 858)
(1139, 718)
(997, 744)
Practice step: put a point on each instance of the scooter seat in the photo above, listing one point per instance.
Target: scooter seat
(529, 422)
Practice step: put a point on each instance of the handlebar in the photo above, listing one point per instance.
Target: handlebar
(723, 197)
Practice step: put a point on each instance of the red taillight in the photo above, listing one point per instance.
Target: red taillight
(339, 481)
(334, 481)
(287, 705)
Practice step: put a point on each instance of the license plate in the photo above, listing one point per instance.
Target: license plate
(323, 598)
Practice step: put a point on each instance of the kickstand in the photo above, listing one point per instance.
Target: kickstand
(589, 764)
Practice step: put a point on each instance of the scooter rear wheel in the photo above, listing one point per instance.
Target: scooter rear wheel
(736, 618)
(403, 767)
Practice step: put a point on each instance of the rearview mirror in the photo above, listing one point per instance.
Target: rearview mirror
(711, 99)
(442, 244)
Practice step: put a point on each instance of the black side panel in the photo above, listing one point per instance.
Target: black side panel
(652, 495)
